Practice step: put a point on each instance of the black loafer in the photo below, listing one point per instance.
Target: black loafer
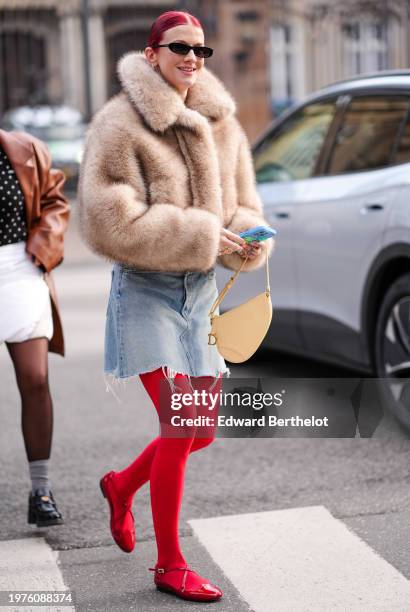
(42, 509)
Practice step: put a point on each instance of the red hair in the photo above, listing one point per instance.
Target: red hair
(168, 20)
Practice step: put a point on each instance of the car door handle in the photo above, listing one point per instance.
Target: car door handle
(370, 208)
(281, 215)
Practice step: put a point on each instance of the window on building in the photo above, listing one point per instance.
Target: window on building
(281, 66)
(365, 46)
(24, 72)
(368, 134)
(291, 152)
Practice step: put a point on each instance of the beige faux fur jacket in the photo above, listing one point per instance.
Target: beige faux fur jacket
(159, 176)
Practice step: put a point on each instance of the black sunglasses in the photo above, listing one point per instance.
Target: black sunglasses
(183, 49)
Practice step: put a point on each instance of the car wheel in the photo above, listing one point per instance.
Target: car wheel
(392, 349)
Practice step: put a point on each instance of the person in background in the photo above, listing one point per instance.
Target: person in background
(34, 215)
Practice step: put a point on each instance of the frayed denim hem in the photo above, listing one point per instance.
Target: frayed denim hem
(170, 373)
(112, 381)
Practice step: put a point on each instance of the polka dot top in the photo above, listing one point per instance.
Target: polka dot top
(13, 224)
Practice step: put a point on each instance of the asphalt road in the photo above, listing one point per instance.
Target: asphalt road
(363, 482)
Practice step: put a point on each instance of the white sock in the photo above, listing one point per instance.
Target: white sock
(39, 475)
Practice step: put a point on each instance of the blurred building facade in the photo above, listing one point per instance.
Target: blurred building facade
(269, 53)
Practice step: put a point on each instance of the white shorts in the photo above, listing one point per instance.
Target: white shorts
(25, 304)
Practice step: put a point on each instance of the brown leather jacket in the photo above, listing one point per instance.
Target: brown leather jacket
(47, 211)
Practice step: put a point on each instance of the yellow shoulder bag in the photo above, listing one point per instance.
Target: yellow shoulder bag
(239, 332)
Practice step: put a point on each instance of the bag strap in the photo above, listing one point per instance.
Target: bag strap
(231, 281)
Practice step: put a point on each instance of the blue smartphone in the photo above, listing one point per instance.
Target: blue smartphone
(258, 233)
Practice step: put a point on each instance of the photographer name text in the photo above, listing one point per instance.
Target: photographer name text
(261, 421)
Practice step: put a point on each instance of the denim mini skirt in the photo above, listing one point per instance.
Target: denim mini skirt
(160, 319)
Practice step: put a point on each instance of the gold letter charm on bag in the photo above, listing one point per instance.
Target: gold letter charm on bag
(239, 332)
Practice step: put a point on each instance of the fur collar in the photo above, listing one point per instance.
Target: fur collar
(162, 106)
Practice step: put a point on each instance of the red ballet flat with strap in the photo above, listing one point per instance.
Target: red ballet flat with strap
(192, 586)
(121, 520)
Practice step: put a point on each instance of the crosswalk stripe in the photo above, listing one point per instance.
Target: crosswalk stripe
(301, 560)
(30, 564)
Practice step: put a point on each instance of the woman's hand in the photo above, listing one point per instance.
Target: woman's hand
(251, 250)
(230, 242)
(37, 263)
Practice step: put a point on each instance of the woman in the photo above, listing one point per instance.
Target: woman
(33, 218)
(166, 185)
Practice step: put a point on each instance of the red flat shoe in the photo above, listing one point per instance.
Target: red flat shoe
(121, 519)
(201, 591)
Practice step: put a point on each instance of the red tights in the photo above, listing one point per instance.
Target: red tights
(163, 461)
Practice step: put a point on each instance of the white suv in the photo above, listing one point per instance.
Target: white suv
(334, 176)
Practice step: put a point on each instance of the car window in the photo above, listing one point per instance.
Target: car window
(57, 132)
(403, 149)
(291, 152)
(367, 134)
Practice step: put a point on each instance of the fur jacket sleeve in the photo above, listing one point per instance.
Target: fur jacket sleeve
(249, 211)
(159, 178)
